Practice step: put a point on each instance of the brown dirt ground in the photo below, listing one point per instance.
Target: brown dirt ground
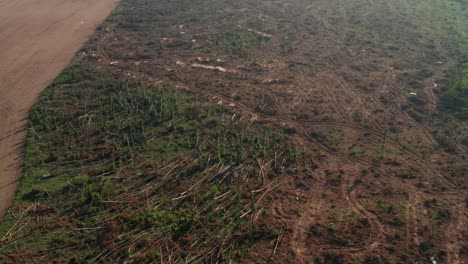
(38, 38)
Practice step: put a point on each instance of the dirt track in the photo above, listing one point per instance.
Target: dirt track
(38, 38)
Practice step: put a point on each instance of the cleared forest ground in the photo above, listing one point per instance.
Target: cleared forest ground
(254, 131)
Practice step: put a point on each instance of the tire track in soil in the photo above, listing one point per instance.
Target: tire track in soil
(412, 234)
(377, 230)
(101, 47)
(356, 97)
(428, 168)
(455, 236)
(433, 105)
(305, 221)
(409, 223)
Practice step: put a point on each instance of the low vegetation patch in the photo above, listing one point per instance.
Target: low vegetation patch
(117, 168)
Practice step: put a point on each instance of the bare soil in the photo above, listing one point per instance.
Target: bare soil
(38, 39)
